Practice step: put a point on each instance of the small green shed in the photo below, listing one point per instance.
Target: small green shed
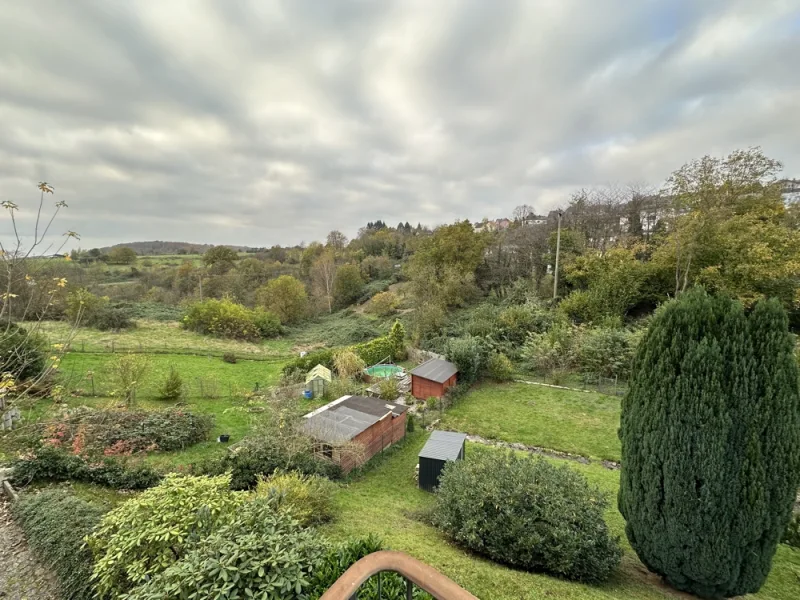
(317, 380)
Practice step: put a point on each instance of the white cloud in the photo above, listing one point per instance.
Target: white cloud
(274, 122)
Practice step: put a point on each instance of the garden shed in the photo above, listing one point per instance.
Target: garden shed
(351, 430)
(432, 378)
(317, 380)
(441, 447)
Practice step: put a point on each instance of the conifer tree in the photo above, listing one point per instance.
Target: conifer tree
(172, 388)
(710, 434)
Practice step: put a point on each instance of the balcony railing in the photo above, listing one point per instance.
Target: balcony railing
(413, 571)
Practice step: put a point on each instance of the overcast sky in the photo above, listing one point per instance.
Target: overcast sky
(273, 122)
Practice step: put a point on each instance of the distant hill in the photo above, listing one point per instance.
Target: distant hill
(158, 248)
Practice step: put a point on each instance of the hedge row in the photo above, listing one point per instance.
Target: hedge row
(387, 347)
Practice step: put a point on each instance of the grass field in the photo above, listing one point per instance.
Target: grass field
(384, 501)
(578, 422)
(159, 336)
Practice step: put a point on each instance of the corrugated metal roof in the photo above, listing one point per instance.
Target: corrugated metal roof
(443, 445)
(343, 419)
(319, 371)
(436, 370)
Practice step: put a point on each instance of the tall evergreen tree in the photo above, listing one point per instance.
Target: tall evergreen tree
(710, 434)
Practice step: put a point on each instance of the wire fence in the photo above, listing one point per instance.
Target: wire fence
(89, 384)
(114, 348)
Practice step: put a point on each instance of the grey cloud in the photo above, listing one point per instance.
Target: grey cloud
(274, 122)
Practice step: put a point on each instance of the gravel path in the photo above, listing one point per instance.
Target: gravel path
(21, 576)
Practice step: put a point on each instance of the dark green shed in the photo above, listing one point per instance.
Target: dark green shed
(441, 447)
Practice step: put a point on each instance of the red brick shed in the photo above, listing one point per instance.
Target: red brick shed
(432, 378)
(371, 423)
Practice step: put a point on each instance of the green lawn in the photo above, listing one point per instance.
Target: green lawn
(203, 376)
(384, 499)
(578, 422)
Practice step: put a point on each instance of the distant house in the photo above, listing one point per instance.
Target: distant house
(432, 378)
(345, 427)
(441, 448)
(534, 220)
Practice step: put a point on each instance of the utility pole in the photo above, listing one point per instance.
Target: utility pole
(558, 251)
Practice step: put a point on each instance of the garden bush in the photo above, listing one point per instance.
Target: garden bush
(382, 304)
(108, 432)
(515, 322)
(261, 456)
(143, 536)
(22, 353)
(710, 428)
(51, 464)
(109, 319)
(55, 523)
(83, 305)
(605, 352)
(224, 318)
(309, 498)
(527, 513)
(172, 389)
(469, 355)
(340, 557)
(230, 358)
(260, 552)
(482, 321)
(554, 351)
(388, 389)
(499, 367)
(267, 323)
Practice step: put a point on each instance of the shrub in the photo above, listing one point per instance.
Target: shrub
(51, 464)
(110, 432)
(259, 553)
(515, 322)
(222, 318)
(109, 319)
(553, 351)
(792, 534)
(324, 356)
(309, 498)
(267, 323)
(143, 536)
(527, 513)
(377, 350)
(83, 306)
(499, 367)
(482, 321)
(605, 352)
(382, 304)
(348, 363)
(262, 456)
(710, 428)
(388, 389)
(341, 557)
(229, 357)
(55, 523)
(127, 371)
(468, 354)
(22, 353)
(172, 389)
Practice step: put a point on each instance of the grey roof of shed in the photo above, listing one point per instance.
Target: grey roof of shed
(443, 445)
(343, 419)
(436, 369)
